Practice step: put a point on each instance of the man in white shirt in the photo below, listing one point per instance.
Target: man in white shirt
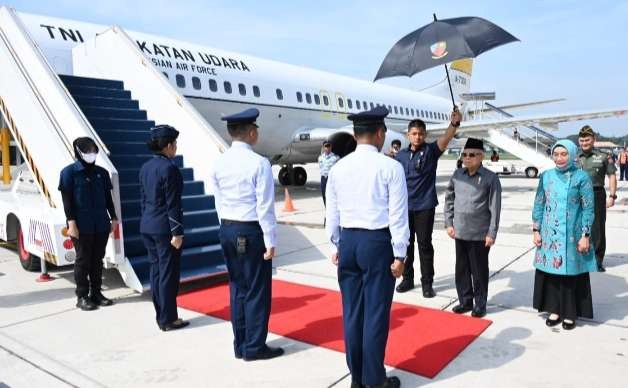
(326, 161)
(243, 187)
(367, 223)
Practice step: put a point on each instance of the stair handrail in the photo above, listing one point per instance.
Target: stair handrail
(20, 25)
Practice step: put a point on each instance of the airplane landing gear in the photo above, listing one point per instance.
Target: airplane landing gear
(292, 176)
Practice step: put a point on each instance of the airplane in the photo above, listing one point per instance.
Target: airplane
(300, 107)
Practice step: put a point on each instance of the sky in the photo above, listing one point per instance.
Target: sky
(575, 50)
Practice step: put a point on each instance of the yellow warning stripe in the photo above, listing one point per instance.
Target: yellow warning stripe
(26, 153)
(49, 257)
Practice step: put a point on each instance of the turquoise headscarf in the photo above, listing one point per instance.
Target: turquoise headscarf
(572, 150)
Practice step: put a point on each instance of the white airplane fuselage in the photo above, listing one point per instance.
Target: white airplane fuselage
(300, 107)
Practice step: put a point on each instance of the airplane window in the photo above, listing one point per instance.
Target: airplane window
(357, 104)
(341, 103)
(279, 94)
(365, 105)
(299, 97)
(196, 83)
(256, 92)
(242, 89)
(396, 110)
(372, 106)
(317, 99)
(407, 112)
(325, 100)
(308, 98)
(389, 108)
(213, 86)
(412, 111)
(431, 115)
(180, 81)
(227, 86)
(349, 103)
(165, 74)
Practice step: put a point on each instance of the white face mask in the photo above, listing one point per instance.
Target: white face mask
(89, 158)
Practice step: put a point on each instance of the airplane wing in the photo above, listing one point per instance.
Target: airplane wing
(547, 121)
(518, 106)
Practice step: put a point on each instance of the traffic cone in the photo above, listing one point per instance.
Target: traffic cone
(288, 207)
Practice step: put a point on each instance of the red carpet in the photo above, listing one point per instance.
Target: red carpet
(421, 340)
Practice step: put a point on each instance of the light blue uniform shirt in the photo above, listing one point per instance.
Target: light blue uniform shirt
(326, 162)
(244, 189)
(367, 190)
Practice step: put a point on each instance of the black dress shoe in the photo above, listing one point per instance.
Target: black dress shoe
(391, 382)
(552, 322)
(600, 268)
(406, 285)
(86, 304)
(478, 312)
(428, 291)
(178, 324)
(569, 325)
(461, 309)
(266, 354)
(99, 299)
(356, 385)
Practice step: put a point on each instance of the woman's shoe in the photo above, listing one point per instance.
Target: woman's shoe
(569, 325)
(552, 322)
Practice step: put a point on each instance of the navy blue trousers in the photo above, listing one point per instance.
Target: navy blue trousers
(249, 286)
(367, 286)
(165, 270)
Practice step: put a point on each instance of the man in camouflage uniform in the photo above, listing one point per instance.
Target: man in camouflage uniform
(597, 164)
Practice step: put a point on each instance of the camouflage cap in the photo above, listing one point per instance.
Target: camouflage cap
(586, 131)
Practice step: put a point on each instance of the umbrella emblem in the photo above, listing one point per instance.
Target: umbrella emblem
(439, 50)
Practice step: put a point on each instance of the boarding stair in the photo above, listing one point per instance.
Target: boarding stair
(124, 128)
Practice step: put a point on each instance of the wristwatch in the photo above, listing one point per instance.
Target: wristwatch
(614, 196)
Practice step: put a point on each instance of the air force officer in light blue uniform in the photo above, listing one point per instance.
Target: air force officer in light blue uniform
(367, 223)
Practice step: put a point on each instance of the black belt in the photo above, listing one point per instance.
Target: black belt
(233, 222)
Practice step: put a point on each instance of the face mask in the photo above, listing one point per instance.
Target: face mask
(89, 158)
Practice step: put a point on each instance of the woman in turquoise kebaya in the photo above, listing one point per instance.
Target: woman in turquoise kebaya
(562, 217)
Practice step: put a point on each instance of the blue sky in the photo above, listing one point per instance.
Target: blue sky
(571, 49)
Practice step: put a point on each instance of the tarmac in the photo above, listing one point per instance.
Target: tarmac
(45, 341)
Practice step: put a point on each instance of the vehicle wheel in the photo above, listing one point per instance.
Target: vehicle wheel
(284, 176)
(300, 176)
(532, 172)
(29, 261)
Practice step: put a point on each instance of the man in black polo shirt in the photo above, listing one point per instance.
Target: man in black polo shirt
(419, 162)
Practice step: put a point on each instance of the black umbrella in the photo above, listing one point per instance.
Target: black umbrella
(441, 42)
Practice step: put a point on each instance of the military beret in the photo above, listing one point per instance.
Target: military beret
(586, 131)
(472, 143)
(247, 116)
(163, 131)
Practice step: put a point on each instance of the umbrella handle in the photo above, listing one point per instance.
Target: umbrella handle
(451, 92)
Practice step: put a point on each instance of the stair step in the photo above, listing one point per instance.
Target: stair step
(191, 219)
(189, 202)
(106, 102)
(126, 124)
(108, 135)
(114, 113)
(128, 147)
(132, 191)
(94, 82)
(131, 175)
(89, 91)
(197, 262)
(208, 235)
(136, 161)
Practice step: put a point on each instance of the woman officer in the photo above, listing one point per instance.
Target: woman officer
(88, 205)
(161, 224)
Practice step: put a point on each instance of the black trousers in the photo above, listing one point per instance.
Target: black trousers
(472, 272)
(598, 234)
(323, 187)
(623, 172)
(421, 225)
(90, 250)
(165, 272)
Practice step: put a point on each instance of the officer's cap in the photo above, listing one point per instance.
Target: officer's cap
(163, 131)
(476, 144)
(370, 117)
(326, 143)
(245, 117)
(586, 131)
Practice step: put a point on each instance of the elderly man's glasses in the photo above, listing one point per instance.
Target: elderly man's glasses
(471, 154)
